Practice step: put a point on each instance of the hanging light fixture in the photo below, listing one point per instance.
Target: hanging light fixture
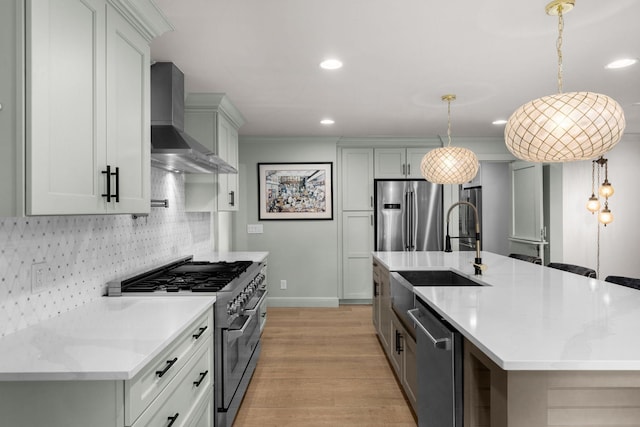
(566, 126)
(593, 204)
(606, 190)
(449, 165)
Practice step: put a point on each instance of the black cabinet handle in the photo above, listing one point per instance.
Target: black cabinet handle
(172, 419)
(166, 368)
(200, 332)
(398, 342)
(117, 184)
(202, 376)
(375, 289)
(108, 173)
(232, 198)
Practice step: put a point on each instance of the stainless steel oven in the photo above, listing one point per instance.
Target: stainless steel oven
(240, 296)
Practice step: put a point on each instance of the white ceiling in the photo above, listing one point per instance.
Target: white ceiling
(399, 57)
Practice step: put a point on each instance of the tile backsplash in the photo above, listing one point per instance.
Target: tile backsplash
(82, 253)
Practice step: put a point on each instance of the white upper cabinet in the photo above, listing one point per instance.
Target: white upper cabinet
(82, 143)
(214, 122)
(357, 179)
(128, 113)
(228, 151)
(399, 162)
(65, 107)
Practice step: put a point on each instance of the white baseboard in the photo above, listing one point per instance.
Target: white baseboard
(302, 302)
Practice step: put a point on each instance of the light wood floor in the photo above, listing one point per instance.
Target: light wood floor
(322, 367)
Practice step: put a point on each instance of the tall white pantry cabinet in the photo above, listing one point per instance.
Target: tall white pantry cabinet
(75, 105)
(356, 179)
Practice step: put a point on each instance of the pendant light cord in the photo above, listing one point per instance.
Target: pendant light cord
(598, 241)
(593, 178)
(559, 46)
(449, 122)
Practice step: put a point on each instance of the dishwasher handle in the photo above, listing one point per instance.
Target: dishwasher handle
(442, 343)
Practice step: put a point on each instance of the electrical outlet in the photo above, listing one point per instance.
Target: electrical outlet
(283, 284)
(37, 277)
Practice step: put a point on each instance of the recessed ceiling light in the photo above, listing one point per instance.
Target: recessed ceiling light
(327, 121)
(331, 64)
(621, 63)
(499, 122)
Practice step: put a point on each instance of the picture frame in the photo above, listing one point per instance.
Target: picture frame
(295, 191)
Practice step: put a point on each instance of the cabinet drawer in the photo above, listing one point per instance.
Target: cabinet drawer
(181, 399)
(143, 389)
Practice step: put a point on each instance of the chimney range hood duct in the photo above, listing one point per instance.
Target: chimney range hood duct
(171, 148)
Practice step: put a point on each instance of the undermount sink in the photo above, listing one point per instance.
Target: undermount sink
(437, 278)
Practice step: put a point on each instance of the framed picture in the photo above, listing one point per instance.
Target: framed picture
(295, 191)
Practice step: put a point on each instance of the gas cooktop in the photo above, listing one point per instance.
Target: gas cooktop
(189, 276)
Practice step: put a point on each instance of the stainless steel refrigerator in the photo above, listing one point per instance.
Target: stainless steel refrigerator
(467, 228)
(408, 215)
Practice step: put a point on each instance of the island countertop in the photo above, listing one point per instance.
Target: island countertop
(530, 317)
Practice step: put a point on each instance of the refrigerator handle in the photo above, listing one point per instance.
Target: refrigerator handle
(410, 196)
(405, 232)
(413, 220)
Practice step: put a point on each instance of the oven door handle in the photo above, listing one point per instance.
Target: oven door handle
(257, 306)
(234, 334)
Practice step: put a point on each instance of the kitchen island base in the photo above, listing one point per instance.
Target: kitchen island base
(498, 398)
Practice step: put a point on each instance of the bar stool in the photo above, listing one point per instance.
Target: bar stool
(528, 258)
(629, 282)
(583, 271)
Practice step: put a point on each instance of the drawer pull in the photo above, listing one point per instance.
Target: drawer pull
(202, 377)
(200, 332)
(172, 419)
(166, 368)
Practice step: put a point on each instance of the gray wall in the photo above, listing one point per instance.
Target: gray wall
(304, 253)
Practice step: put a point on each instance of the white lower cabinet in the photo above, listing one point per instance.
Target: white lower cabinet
(357, 242)
(178, 402)
(177, 384)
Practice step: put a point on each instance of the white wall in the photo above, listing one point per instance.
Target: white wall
(83, 253)
(304, 253)
(620, 240)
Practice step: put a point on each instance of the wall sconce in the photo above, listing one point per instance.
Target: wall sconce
(606, 190)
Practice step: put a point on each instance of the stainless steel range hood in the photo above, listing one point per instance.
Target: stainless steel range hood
(171, 148)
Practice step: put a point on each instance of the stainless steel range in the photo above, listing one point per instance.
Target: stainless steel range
(240, 292)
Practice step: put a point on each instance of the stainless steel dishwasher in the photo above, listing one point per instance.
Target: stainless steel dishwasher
(439, 357)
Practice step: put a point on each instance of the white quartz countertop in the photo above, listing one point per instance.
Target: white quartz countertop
(232, 256)
(531, 317)
(108, 339)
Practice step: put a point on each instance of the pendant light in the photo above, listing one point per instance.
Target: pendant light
(593, 204)
(449, 165)
(566, 126)
(606, 190)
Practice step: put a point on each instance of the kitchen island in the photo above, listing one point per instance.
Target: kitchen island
(543, 347)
